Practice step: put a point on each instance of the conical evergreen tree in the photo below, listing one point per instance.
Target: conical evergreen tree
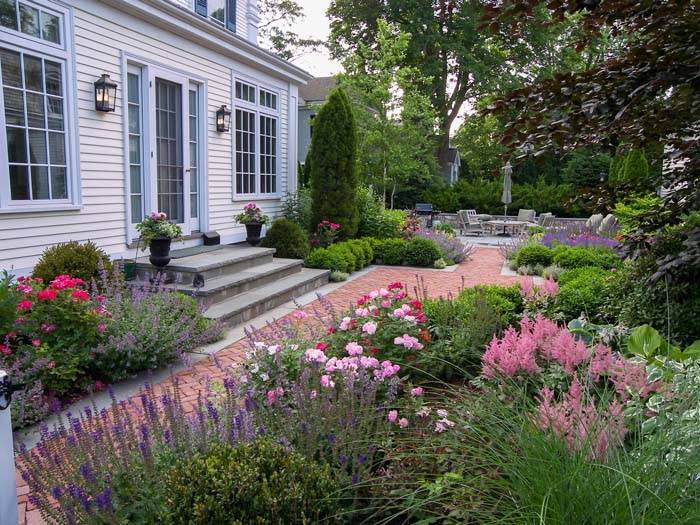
(635, 167)
(333, 156)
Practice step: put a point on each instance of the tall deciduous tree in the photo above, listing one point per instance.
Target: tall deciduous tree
(276, 16)
(333, 156)
(444, 46)
(395, 119)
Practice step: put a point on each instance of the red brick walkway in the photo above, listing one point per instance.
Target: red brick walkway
(483, 268)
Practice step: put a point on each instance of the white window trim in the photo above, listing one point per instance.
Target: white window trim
(65, 53)
(130, 62)
(258, 109)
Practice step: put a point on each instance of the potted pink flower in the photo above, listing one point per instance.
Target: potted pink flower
(158, 233)
(253, 218)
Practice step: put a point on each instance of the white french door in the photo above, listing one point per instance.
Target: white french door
(164, 120)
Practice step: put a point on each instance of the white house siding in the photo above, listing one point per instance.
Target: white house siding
(102, 36)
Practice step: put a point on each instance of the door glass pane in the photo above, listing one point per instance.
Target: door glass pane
(135, 154)
(194, 153)
(8, 14)
(169, 147)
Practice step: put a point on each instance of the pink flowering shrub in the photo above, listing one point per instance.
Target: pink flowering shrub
(386, 324)
(325, 234)
(579, 391)
(540, 298)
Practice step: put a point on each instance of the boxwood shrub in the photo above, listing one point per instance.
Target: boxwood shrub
(74, 259)
(533, 255)
(422, 252)
(288, 239)
(390, 251)
(325, 259)
(344, 250)
(570, 257)
(583, 290)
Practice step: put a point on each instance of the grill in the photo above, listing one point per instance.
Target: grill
(426, 210)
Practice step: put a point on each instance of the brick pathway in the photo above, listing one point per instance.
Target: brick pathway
(483, 268)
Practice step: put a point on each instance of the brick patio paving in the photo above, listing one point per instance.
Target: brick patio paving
(483, 268)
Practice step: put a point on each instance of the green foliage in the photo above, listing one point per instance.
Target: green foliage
(250, 484)
(348, 256)
(635, 167)
(461, 326)
(72, 258)
(333, 165)
(375, 219)
(478, 145)
(421, 252)
(390, 251)
(288, 239)
(297, 208)
(616, 163)
(533, 254)
(644, 341)
(583, 168)
(362, 250)
(640, 217)
(338, 276)
(570, 257)
(325, 259)
(444, 228)
(583, 290)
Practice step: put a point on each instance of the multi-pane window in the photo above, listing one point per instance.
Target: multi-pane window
(30, 20)
(35, 130)
(220, 11)
(245, 151)
(257, 144)
(136, 167)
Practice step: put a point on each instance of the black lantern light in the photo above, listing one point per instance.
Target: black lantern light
(105, 94)
(223, 119)
(602, 176)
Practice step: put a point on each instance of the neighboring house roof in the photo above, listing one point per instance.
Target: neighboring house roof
(317, 89)
(451, 156)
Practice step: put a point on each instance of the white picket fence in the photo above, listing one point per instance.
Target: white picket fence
(8, 487)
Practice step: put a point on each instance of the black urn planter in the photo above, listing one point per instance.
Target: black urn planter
(252, 231)
(160, 251)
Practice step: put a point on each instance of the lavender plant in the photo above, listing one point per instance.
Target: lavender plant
(584, 239)
(452, 248)
(150, 326)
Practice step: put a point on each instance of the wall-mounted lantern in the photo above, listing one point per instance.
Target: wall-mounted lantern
(105, 94)
(223, 119)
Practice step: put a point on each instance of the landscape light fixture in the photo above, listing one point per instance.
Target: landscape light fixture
(105, 94)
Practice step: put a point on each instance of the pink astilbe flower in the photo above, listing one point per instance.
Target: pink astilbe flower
(549, 288)
(577, 420)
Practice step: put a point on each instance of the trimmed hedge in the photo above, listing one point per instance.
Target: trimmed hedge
(534, 254)
(571, 257)
(288, 239)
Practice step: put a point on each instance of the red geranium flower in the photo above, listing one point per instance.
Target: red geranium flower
(321, 346)
(46, 295)
(395, 286)
(24, 305)
(79, 295)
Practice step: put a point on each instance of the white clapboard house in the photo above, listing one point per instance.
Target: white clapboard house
(69, 170)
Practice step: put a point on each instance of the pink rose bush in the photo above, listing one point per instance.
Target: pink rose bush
(46, 341)
(580, 392)
(325, 234)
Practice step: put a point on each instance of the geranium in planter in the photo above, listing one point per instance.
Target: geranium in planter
(253, 218)
(157, 233)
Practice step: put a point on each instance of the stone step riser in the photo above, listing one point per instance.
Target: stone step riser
(186, 275)
(242, 316)
(223, 293)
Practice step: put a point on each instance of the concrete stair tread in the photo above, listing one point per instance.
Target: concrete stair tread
(276, 293)
(244, 276)
(209, 260)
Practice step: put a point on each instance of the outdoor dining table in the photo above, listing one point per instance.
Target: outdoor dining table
(513, 225)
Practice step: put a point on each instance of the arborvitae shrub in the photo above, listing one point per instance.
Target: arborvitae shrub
(74, 259)
(333, 175)
(635, 167)
(422, 252)
(288, 239)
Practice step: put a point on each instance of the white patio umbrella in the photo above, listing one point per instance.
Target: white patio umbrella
(507, 198)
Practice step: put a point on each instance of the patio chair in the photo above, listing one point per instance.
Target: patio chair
(468, 222)
(526, 216)
(545, 219)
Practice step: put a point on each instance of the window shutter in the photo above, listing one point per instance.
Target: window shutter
(200, 7)
(231, 15)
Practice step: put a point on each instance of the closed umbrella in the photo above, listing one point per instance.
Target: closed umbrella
(507, 198)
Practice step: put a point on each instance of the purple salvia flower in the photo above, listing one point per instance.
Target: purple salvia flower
(355, 478)
(56, 492)
(331, 439)
(361, 459)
